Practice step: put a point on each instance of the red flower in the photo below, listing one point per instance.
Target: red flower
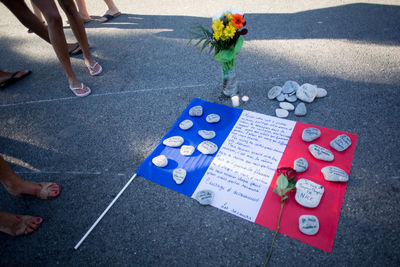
(242, 32)
(288, 172)
(237, 21)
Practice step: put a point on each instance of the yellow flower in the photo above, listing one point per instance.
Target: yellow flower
(217, 35)
(229, 31)
(217, 25)
(229, 16)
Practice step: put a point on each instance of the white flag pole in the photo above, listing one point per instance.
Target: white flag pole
(104, 213)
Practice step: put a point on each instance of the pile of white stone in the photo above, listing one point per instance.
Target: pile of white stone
(206, 147)
(290, 92)
(309, 193)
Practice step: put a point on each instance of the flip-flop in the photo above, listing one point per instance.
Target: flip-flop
(13, 79)
(92, 71)
(76, 50)
(80, 88)
(44, 191)
(109, 17)
(27, 225)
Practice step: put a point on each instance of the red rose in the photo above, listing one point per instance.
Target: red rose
(290, 173)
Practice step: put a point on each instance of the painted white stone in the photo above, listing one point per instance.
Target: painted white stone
(179, 175)
(281, 113)
(160, 161)
(280, 97)
(187, 150)
(174, 141)
(206, 134)
(291, 98)
(321, 92)
(207, 147)
(320, 153)
(286, 105)
(213, 118)
(310, 134)
(300, 165)
(308, 224)
(300, 110)
(196, 111)
(186, 124)
(307, 92)
(308, 193)
(341, 142)
(205, 197)
(274, 92)
(290, 87)
(334, 174)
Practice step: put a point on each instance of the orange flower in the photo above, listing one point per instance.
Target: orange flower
(237, 21)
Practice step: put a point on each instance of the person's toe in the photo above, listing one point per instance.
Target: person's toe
(32, 224)
(54, 190)
(83, 91)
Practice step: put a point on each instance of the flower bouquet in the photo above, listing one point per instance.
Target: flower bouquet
(225, 39)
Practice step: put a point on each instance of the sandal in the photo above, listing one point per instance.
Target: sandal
(75, 50)
(92, 71)
(14, 79)
(44, 191)
(108, 17)
(80, 88)
(27, 225)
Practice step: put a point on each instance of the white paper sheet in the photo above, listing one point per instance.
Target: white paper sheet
(243, 168)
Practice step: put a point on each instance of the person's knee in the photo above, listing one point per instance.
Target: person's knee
(68, 6)
(54, 19)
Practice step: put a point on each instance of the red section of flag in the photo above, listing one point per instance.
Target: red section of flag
(328, 210)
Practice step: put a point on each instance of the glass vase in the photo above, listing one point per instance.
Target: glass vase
(229, 82)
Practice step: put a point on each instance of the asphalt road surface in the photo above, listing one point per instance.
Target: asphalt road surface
(92, 146)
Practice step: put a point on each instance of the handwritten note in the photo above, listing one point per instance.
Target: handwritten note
(244, 166)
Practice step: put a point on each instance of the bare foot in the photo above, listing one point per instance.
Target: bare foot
(19, 187)
(17, 225)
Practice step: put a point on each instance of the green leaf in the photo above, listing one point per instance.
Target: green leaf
(205, 44)
(284, 198)
(277, 191)
(286, 190)
(282, 182)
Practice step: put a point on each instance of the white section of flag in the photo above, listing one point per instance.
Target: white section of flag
(241, 172)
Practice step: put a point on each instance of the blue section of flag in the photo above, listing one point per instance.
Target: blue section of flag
(197, 164)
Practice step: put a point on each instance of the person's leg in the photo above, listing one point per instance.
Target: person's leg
(27, 18)
(83, 10)
(112, 8)
(58, 41)
(80, 33)
(17, 186)
(17, 225)
(37, 12)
